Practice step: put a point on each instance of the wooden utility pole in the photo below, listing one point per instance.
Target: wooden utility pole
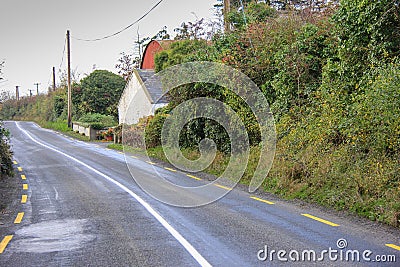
(17, 92)
(227, 9)
(69, 80)
(54, 78)
(37, 88)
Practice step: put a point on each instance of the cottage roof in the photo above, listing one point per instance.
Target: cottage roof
(153, 87)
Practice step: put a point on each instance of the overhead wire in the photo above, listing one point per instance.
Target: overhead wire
(63, 54)
(108, 36)
(122, 30)
(49, 80)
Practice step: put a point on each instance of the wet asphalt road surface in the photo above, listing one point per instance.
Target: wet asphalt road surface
(83, 208)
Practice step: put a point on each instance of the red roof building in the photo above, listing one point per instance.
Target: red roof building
(152, 48)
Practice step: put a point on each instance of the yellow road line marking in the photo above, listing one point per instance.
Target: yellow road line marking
(193, 177)
(134, 157)
(4, 243)
(25, 186)
(172, 170)
(15, 163)
(108, 149)
(20, 169)
(24, 198)
(223, 187)
(320, 220)
(23, 177)
(19, 217)
(119, 152)
(150, 162)
(263, 200)
(393, 246)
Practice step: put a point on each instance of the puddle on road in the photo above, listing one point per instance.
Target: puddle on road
(53, 236)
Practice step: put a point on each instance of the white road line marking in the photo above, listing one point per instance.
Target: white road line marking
(189, 248)
(56, 196)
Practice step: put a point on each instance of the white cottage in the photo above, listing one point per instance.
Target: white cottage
(141, 97)
(142, 94)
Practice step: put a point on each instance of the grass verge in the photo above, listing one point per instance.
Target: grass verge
(129, 149)
(62, 126)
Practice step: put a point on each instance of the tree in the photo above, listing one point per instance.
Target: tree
(4, 96)
(99, 93)
(162, 34)
(191, 30)
(315, 5)
(126, 64)
(252, 13)
(64, 77)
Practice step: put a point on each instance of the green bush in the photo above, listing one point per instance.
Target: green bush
(375, 115)
(6, 168)
(99, 92)
(153, 130)
(97, 121)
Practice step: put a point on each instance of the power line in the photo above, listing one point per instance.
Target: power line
(120, 31)
(63, 55)
(48, 82)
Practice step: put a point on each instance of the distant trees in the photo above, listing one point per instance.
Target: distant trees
(99, 92)
(283, 4)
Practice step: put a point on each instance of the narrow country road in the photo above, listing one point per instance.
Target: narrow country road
(81, 207)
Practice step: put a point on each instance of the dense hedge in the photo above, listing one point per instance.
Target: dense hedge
(332, 80)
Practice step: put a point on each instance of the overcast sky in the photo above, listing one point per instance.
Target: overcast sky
(32, 34)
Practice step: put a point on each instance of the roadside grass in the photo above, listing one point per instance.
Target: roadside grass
(62, 126)
(129, 149)
(118, 147)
